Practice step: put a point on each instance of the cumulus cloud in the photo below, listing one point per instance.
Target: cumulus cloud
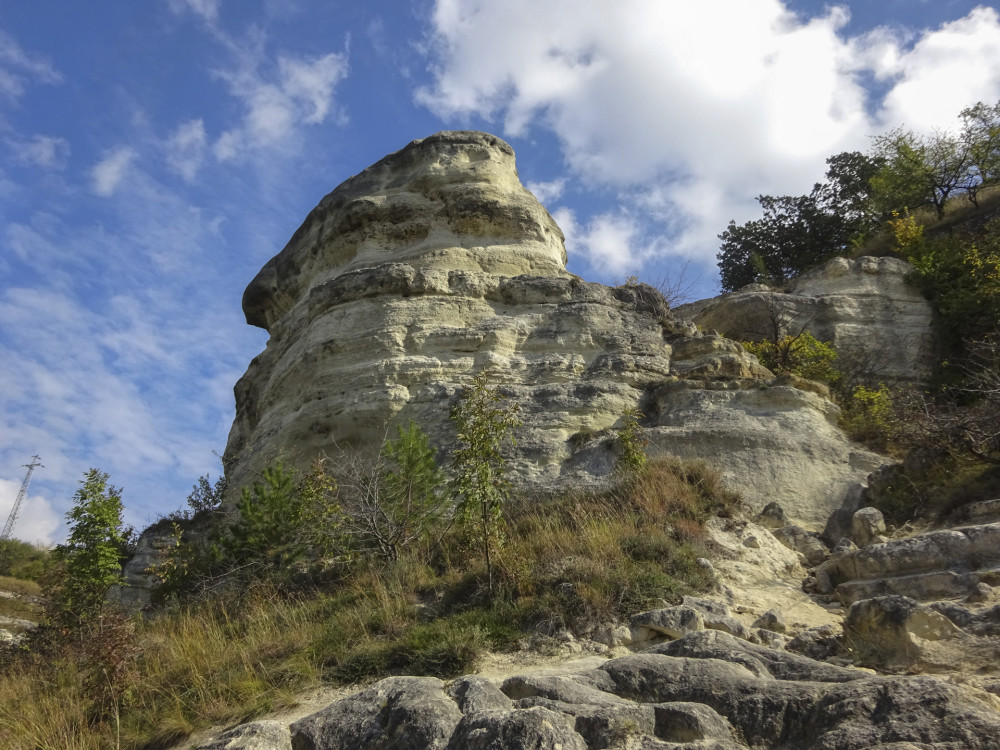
(37, 520)
(108, 173)
(946, 71)
(49, 152)
(702, 105)
(186, 149)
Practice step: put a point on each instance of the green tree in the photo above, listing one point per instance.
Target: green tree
(981, 139)
(484, 422)
(206, 496)
(414, 500)
(796, 233)
(920, 170)
(90, 559)
(281, 520)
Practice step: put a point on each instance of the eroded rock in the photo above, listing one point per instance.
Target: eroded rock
(436, 263)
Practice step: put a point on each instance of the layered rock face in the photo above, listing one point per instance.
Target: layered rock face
(878, 323)
(435, 264)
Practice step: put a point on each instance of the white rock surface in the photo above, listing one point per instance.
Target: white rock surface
(865, 307)
(435, 264)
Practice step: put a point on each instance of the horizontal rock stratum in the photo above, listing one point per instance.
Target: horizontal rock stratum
(435, 264)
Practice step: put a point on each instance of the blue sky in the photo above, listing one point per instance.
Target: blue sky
(153, 155)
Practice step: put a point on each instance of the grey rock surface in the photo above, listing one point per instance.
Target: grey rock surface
(705, 690)
(398, 713)
(257, 735)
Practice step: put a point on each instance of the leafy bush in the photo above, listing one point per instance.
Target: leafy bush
(868, 416)
(801, 354)
(631, 445)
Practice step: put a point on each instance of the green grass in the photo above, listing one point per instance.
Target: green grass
(574, 561)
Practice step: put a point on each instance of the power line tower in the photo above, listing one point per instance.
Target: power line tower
(15, 511)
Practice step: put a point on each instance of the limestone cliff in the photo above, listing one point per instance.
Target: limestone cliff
(878, 323)
(436, 263)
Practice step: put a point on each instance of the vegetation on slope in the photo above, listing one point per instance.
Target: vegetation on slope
(934, 201)
(261, 608)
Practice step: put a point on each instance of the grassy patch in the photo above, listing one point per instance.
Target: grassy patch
(574, 561)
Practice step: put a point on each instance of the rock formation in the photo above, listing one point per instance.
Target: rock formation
(436, 263)
(706, 690)
(877, 322)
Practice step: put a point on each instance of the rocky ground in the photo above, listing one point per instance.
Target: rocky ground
(781, 655)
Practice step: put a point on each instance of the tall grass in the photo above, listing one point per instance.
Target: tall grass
(570, 562)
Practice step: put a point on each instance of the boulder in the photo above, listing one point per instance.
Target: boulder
(398, 713)
(806, 543)
(707, 690)
(895, 632)
(526, 729)
(867, 526)
(939, 564)
(771, 516)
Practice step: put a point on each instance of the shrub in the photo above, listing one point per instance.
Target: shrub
(484, 422)
(394, 499)
(802, 354)
(632, 446)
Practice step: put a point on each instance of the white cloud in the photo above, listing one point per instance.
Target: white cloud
(548, 192)
(37, 521)
(609, 242)
(207, 9)
(18, 68)
(300, 92)
(49, 152)
(701, 105)
(186, 149)
(946, 71)
(108, 173)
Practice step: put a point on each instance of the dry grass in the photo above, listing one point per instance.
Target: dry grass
(571, 562)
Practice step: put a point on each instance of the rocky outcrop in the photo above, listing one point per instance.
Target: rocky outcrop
(940, 564)
(879, 324)
(704, 690)
(436, 263)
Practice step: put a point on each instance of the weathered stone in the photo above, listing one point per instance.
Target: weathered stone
(771, 516)
(257, 735)
(892, 631)
(436, 263)
(601, 725)
(670, 622)
(771, 620)
(807, 543)
(591, 687)
(398, 713)
(818, 643)
(474, 693)
(946, 563)
(526, 729)
(867, 524)
(763, 662)
(877, 322)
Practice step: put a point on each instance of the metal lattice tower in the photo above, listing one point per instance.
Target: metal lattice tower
(12, 518)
